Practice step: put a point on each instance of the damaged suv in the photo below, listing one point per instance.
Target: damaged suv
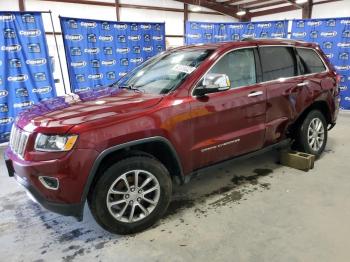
(120, 148)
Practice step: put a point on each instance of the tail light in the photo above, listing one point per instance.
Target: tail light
(338, 79)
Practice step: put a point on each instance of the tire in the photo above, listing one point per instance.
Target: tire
(111, 188)
(307, 140)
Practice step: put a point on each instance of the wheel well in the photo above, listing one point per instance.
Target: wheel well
(321, 106)
(155, 149)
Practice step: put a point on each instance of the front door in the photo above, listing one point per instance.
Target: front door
(232, 122)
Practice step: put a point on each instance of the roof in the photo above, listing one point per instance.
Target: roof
(249, 41)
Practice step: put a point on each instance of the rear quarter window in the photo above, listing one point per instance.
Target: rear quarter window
(310, 61)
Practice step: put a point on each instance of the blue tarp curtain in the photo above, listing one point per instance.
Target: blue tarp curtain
(204, 32)
(25, 69)
(100, 52)
(333, 36)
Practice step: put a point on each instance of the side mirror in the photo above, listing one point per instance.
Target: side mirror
(213, 83)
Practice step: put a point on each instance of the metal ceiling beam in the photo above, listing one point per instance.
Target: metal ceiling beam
(326, 1)
(274, 11)
(117, 11)
(21, 5)
(132, 6)
(307, 10)
(216, 6)
(266, 5)
(294, 4)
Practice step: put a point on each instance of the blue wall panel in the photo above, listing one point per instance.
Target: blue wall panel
(25, 69)
(204, 32)
(100, 52)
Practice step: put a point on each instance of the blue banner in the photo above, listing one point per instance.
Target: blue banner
(25, 69)
(333, 36)
(100, 52)
(204, 32)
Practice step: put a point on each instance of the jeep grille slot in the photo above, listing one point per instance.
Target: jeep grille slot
(18, 141)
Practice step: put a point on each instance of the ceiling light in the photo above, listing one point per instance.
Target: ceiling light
(300, 1)
(241, 12)
(196, 8)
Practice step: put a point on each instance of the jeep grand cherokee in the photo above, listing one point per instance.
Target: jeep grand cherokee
(119, 147)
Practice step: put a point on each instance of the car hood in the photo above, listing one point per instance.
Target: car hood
(62, 113)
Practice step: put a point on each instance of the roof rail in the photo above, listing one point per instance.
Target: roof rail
(275, 38)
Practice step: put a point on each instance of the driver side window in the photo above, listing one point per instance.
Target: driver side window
(239, 66)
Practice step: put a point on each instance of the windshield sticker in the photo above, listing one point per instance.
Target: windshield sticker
(184, 68)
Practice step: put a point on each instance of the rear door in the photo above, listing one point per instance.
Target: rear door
(232, 122)
(284, 84)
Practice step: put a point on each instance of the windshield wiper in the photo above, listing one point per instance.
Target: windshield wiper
(130, 87)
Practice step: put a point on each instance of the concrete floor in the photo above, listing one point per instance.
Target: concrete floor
(254, 210)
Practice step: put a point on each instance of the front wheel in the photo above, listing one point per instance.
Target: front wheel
(312, 135)
(131, 195)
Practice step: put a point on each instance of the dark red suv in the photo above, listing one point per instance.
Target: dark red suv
(120, 147)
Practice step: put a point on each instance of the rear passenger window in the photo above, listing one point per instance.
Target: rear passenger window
(310, 61)
(277, 62)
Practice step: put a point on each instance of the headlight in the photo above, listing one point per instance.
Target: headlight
(55, 143)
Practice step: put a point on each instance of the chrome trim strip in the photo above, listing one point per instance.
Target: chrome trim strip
(42, 180)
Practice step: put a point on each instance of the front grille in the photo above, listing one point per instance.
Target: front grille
(18, 141)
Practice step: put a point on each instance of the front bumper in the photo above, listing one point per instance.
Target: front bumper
(72, 171)
(74, 210)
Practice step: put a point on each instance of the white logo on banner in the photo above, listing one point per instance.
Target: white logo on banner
(235, 26)
(88, 24)
(299, 34)
(108, 62)
(136, 60)
(121, 26)
(146, 27)
(11, 48)
(95, 76)
(194, 36)
(77, 37)
(106, 38)
(329, 34)
(23, 104)
(30, 33)
(38, 61)
(343, 68)
(42, 90)
(123, 50)
(314, 23)
(94, 50)
(6, 120)
(78, 64)
(157, 38)
(147, 48)
(209, 26)
(265, 25)
(18, 78)
(7, 17)
(343, 45)
(3, 93)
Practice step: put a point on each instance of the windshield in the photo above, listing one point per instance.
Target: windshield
(164, 72)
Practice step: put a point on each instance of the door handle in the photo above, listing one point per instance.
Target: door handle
(255, 93)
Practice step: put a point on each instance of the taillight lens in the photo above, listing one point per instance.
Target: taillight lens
(338, 79)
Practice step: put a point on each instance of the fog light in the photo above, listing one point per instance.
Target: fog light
(49, 182)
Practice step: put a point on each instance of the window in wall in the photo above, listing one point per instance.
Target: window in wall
(310, 61)
(277, 62)
(239, 66)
